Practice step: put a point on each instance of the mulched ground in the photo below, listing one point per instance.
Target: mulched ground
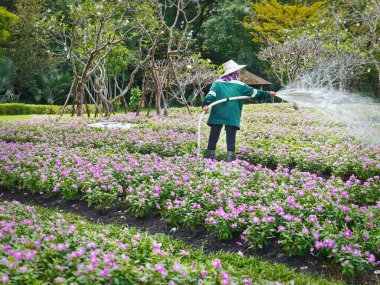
(198, 238)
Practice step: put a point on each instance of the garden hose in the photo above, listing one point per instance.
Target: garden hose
(210, 106)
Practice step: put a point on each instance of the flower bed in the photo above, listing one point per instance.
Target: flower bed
(39, 246)
(302, 139)
(149, 168)
(331, 218)
(71, 133)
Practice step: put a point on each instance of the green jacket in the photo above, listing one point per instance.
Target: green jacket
(229, 113)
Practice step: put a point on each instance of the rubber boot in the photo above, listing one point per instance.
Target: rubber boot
(230, 156)
(210, 153)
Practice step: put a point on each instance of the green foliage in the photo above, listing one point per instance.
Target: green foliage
(135, 98)
(6, 70)
(50, 87)
(269, 20)
(7, 19)
(24, 109)
(224, 35)
(25, 48)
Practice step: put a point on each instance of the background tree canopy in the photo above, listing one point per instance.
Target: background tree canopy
(281, 41)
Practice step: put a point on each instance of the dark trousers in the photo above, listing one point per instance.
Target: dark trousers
(215, 133)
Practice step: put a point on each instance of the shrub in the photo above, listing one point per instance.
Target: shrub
(135, 99)
(25, 109)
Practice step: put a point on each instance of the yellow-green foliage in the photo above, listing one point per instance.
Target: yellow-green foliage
(269, 19)
(7, 19)
(24, 109)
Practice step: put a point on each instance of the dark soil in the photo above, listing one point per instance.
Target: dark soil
(200, 237)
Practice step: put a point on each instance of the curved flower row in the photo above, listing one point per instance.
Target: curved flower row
(271, 134)
(58, 249)
(331, 218)
(276, 136)
(76, 133)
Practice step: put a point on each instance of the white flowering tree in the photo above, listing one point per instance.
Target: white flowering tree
(170, 37)
(88, 31)
(193, 72)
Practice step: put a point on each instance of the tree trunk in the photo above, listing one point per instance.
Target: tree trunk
(142, 100)
(158, 96)
(79, 97)
(150, 104)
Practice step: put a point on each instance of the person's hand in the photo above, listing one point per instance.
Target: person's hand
(272, 94)
(205, 109)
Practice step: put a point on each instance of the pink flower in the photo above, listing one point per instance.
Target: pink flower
(291, 200)
(161, 269)
(318, 245)
(59, 280)
(305, 231)
(281, 228)
(313, 218)
(4, 278)
(329, 243)
(216, 263)
(177, 266)
(371, 258)
(348, 233)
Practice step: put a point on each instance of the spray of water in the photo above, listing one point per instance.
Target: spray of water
(359, 114)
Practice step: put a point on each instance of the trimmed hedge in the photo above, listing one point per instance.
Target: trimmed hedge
(26, 109)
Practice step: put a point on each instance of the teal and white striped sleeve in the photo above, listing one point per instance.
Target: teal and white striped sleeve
(260, 94)
(254, 93)
(211, 95)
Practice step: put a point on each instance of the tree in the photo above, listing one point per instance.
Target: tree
(7, 20)
(225, 37)
(270, 20)
(293, 58)
(25, 47)
(50, 87)
(168, 37)
(6, 70)
(88, 31)
(361, 20)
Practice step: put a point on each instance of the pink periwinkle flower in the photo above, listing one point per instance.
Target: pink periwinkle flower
(161, 269)
(347, 233)
(305, 231)
(313, 218)
(4, 278)
(59, 280)
(329, 243)
(291, 200)
(216, 263)
(177, 266)
(281, 228)
(318, 245)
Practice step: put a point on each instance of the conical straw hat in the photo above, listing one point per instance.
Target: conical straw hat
(230, 67)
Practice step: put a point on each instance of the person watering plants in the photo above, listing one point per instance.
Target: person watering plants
(228, 113)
